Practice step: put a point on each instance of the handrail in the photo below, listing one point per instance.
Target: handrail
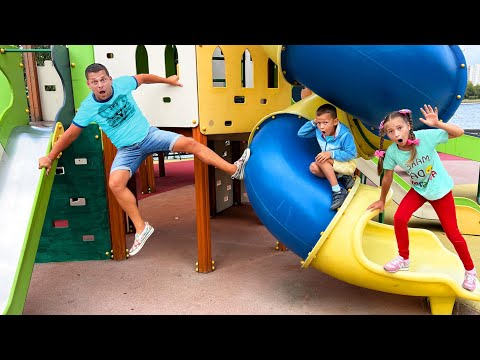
(3, 50)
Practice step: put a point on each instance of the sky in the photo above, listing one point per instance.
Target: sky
(472, 53)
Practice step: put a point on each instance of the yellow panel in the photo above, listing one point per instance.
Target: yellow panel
(57, 133)
(273, 52)
(216, 104)
(468, 220)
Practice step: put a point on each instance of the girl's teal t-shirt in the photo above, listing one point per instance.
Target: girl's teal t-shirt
(427, 173)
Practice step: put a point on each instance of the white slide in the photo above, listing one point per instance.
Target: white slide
(19, 180)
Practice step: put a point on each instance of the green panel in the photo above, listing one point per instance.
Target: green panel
(466, 146)
(81, 56)
(13, 97)
(171, 60)
(478, 188)
(461, 201)
(272, 73)
(78, 181)
(141, 59)
(61, 62)
(5, 93)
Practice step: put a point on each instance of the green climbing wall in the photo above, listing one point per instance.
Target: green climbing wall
(76, 225)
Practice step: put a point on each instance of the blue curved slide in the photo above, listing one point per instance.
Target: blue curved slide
(365, 81)
(293, 204)
(368, 81)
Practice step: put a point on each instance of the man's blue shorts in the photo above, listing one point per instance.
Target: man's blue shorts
(157, 141)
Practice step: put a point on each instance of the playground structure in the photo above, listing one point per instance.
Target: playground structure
(83, 220)
(347, 244)
(228, 89)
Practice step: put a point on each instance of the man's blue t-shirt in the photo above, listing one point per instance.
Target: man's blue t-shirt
(119, 117)
(427, 174)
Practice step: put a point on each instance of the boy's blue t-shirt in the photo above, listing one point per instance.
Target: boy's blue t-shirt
(427, 174)
(119, 117)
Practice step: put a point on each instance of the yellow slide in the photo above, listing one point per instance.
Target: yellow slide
(354, 249)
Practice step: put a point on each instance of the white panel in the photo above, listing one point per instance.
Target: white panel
(218, 69)
(248, 70)
(123, 61)
(183, 108)
(51, 101)
(156, 59)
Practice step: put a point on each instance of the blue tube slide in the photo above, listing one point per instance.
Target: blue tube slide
(362, 80)
(292, 203)
(369, 81)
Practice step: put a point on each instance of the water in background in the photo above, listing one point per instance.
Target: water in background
(467, 116)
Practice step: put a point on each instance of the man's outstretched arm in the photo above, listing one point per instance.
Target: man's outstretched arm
(155, 79)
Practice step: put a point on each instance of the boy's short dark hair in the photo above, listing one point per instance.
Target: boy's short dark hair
(327, 109)
(94, 68)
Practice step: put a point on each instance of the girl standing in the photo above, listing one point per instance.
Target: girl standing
(414, 152)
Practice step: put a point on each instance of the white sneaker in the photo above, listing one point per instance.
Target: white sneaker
(141, 239)
(239, 174)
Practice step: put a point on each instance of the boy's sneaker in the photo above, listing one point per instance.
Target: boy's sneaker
(399, 263)
(347, 181)
(338, 198)
(141, 239)
(241, 165)
(470, 282)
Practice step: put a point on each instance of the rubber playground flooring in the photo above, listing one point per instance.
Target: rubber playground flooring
(251, 276)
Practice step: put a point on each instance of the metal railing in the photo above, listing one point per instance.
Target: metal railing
(472, 132)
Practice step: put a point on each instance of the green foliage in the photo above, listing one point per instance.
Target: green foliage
(40, 57)
(472, 92)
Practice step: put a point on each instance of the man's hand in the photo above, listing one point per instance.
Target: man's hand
(44, 162)
(173, 80)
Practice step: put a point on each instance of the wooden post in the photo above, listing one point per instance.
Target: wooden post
(117, 217)
(161, 164)
(31, 74)
(202, 209)
(132, 186)
(147, 176)
(150, 174)
(142, 173)
(280, 246)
